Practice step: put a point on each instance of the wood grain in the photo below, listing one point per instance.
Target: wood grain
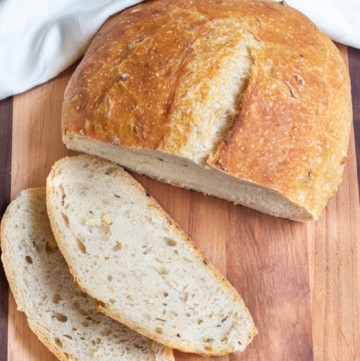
(264, 258)
(301, 282)
(5, 185)
(37, 140)
(354, 60)
(6, 108)
(36, 146)
(333, 246)
(268, 264)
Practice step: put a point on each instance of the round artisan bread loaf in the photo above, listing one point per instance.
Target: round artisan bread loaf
(242, 99)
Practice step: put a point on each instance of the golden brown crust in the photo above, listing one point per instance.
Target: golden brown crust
(293, 129)
(143, 100)
(292, 132)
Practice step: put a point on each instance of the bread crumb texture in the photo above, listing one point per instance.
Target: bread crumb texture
(130, 256)
(64, 318)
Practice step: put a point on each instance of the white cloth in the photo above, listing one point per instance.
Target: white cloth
(40, 38)
(340, 19)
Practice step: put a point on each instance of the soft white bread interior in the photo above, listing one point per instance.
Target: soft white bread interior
(186, 173)
(64, 318)
(127, 253)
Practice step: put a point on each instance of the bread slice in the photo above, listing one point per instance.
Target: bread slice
(63, 318)
(127, 253)
(212, 96)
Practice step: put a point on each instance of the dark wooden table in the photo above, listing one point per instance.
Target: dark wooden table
(300, 281)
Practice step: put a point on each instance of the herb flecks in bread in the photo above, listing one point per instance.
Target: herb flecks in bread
(138, 264)
(63, 317)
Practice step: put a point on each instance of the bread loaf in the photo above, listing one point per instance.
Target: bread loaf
(128, 254)
(63, 318)
(245, 100)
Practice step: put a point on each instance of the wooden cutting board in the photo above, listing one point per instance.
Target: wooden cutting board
(301, 282)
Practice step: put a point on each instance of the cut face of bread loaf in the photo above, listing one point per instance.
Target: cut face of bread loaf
(63, 318)
(242, 99)
(127, 253)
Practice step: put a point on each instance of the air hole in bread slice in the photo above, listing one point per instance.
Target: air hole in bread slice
(51, 246)
(56, 298)
(65, 219)
(58, 342)
(170, 242)
(80, 245)
(117, 246)
(60, 317)
(158, 330)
